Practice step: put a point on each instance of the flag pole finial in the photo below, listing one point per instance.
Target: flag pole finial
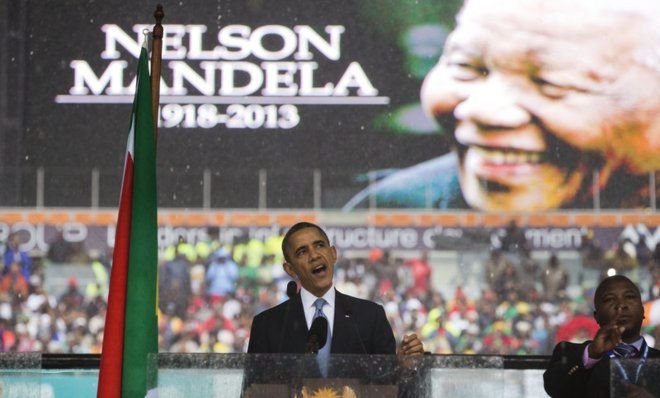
(159, 15)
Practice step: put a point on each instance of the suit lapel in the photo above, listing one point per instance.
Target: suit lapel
(341, 334)
(295, 337)
(653, 353)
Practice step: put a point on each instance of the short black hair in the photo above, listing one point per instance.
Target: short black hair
(297, 227)
(608, 281)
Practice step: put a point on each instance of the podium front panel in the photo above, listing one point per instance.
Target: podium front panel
(635, 377)
(270, 375)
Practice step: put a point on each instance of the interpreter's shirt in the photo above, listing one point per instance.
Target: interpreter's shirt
(589, 362)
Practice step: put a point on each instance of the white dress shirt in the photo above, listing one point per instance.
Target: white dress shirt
(308, 300)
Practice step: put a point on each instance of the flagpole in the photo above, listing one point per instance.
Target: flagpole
(156, 58)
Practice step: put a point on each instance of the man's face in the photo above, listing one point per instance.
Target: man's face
(311, 260)
(538, 97)
(620, 303)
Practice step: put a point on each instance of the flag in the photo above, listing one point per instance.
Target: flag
(131, 329)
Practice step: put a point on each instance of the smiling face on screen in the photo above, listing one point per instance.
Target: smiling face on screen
(539, 99)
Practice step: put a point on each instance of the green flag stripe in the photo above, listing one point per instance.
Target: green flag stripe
(141, 329)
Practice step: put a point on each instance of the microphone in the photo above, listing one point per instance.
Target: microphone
(349, 314)
(317, 335)
(291, 291)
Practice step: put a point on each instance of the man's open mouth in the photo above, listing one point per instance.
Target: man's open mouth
(502, 166)
(497, 169)
(319, 269)
(502, 169)
(556, 152)
(497, 166)
(508, 156)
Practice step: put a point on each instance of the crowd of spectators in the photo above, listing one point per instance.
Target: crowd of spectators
(209, 293)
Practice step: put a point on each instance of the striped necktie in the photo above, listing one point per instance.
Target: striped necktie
(323, 355)
(625, 351)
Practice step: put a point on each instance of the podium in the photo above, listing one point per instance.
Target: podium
(349, 376)
(634, 377)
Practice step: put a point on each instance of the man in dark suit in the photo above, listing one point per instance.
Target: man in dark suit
(583, 370)
(355, 326)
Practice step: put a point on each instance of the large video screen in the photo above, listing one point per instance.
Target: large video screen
(531, 105)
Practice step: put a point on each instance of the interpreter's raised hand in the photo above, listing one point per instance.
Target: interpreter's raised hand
(411, 345)
(606, 339)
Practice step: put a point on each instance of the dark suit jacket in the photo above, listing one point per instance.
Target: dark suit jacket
(567, 377)
(271, 333)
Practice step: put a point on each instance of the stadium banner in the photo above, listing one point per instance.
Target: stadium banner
(341, 91)
(37, 237)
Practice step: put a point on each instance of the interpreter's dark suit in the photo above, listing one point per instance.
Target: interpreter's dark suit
(567, 377)
(352, 316)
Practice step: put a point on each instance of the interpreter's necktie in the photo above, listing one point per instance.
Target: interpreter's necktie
(625, 351)
(323, 355)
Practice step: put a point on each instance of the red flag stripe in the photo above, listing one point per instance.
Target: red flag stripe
(110, 371)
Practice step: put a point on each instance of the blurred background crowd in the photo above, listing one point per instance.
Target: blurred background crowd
(506, 300)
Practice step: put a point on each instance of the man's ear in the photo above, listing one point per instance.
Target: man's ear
(288, 268)
(596, 317)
